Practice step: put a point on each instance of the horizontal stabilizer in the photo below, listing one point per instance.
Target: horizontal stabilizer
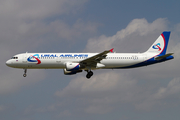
(164, 56)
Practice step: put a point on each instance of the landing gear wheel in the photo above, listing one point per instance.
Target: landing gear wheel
(89, 74)
(24, 75)
(25, 71)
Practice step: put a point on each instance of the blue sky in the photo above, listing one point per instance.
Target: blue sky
(150, 92)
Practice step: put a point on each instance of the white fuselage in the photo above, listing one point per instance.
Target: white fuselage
(58, 60)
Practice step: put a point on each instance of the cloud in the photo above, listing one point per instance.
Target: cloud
(172, 88)
(25, 23)
(139, 88)
(137, 37)
(106, 92)
(100, 94)
(96, 85)
(137, 28)
(27, 26)
(162, 97)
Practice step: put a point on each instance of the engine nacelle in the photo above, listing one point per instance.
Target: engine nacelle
(71, 72)
(72, 66)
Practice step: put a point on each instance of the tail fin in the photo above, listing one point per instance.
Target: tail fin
(160, 45)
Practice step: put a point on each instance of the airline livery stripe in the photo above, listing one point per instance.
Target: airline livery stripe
(164, 42)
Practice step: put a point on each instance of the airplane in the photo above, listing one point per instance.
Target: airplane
(73, 63)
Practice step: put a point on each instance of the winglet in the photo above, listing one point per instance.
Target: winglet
(111, 50)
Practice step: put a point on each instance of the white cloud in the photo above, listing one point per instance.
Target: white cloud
(172, 88)
(108, 91)
(24, 27)
(108, 83)
(27, 22)
(136, 29)
(138, 36)
(100, 94)
(160, 97)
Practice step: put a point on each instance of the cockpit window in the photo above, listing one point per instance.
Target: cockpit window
(14, 58)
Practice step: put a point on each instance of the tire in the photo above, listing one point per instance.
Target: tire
(24, 75)
(88, 76)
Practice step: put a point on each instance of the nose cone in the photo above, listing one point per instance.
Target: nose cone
(8, 63)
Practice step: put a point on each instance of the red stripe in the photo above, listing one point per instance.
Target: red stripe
(164, 42)
(158, 47)
(37, 60)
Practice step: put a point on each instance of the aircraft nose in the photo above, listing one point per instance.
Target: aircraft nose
(8, 63)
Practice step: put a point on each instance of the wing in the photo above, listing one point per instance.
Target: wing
(92, 61)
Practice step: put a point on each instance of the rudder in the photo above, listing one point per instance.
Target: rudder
(160, 45)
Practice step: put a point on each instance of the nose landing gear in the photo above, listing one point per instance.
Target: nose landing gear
(25, 71)
(89, 74)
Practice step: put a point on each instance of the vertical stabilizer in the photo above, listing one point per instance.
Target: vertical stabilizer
(159, 47)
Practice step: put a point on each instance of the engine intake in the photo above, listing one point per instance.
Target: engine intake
(72, 66)
(71, 72)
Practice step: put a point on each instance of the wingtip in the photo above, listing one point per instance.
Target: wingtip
(111, 50)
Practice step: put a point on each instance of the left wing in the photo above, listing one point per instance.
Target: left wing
(92, 61)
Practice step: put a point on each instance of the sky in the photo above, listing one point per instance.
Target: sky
(145, 93)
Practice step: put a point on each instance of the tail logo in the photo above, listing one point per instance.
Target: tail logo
(157, 46)
(36, 56)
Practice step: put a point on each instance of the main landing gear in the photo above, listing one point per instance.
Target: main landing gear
(25, 71)
(89, 74)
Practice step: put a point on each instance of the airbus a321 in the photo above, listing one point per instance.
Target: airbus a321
(73, 63)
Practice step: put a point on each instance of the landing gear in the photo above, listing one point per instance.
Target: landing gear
(24, 75)
(89, 74)
(25, 71)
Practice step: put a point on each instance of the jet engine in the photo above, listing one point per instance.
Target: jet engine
(72, 66)
(71, 72)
